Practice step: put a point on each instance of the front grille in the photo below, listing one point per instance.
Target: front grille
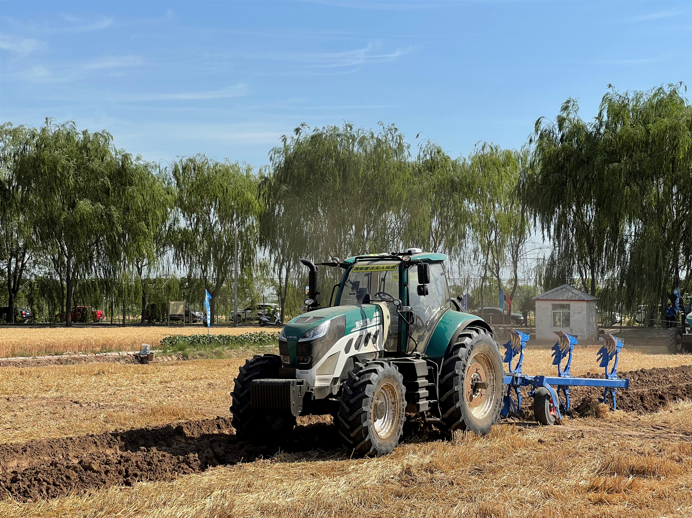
(278, 395)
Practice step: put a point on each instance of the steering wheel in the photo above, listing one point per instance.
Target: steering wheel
(384, 295)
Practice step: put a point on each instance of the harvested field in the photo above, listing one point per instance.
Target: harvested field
(156, 440)
(36, 341)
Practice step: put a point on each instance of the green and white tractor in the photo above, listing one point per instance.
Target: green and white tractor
(680, 337)
(391, 341)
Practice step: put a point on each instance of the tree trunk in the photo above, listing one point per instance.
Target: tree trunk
(285, 294)
(68, 299)
(212, 307)
(10, 303)
(124, 300)
(140, 269)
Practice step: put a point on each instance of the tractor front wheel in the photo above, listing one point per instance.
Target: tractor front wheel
(674, 340)
(471, 383)
(249, 423)
(371, 413)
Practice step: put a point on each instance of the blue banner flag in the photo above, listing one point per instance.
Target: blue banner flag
(502, 298)
(678, 300)
(465, 302)
(207, 298)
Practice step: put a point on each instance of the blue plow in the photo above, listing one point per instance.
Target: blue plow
(558, 386)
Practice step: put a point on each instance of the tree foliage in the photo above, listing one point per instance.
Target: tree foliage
(213, 200)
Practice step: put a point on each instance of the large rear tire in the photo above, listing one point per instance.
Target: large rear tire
(471, 384)
(250, 424)
(371, 413)
(674, 342)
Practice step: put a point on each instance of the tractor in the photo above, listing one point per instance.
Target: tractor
(680, 338)
(391, 341)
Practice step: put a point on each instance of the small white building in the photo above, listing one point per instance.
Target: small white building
(565, 309)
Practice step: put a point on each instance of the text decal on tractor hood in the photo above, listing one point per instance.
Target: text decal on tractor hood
(374, 321)
(375, 268)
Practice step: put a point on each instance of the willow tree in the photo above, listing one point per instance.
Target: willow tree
(437, 207)
(334, 191)
(17, 243)
(499, 223)
(648, 145)
(213, 199)
(571, 195)
(69, 174)
(142, 203)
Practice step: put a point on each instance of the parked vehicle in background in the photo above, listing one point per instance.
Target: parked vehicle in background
(274, 320)
(84, 314)
(254, 313)
(191, 317)
(21, 315)
(497, 316)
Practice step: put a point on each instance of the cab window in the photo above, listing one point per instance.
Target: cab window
(427, 309)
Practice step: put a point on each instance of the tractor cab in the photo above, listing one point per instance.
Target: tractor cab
(411, 289)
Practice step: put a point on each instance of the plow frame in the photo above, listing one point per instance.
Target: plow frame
(559, 385)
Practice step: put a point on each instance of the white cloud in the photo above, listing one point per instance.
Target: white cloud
(79, 25)
(635, 61)
(114, 62)
(19, 46)
(349, 58)
(656, 16)
(396, 5)
(41, 74)
(238, 90)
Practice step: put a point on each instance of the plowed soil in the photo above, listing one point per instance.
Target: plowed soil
(650, 390)
(51, 468)
(55, 467)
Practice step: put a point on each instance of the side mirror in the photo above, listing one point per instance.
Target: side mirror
(309, 302)
(422, 289)
(423, 273)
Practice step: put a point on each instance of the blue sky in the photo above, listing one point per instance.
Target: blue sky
(229, 78)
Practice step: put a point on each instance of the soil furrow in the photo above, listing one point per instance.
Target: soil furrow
(55, 467)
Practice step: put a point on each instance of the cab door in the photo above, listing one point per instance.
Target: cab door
(427, 309)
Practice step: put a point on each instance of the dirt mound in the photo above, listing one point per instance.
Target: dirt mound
(68, 359)
(650, 390)
(55, 467)
(653, 389)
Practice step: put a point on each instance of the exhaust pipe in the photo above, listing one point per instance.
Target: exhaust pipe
(312, 282)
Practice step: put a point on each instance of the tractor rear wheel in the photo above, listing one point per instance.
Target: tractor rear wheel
(371, 413)
(674, 340)
(471, 383)
(254, 425)
(543, 408)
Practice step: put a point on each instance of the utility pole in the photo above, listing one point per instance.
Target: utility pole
(235, 281)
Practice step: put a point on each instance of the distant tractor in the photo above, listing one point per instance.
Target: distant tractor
(393, 341)
(680, 338)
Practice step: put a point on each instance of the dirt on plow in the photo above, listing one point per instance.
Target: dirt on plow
(50, 468)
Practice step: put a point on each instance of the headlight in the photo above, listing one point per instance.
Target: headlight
(282, 335)
(316, 332)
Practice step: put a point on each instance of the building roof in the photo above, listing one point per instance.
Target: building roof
(565, 292)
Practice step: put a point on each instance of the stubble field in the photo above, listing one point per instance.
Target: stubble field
(35, 341)
(109, 439)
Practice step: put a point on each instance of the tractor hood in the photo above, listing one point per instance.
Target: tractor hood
(355, 319)
(305, 339)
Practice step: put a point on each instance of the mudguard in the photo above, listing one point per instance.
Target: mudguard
(448, 328)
